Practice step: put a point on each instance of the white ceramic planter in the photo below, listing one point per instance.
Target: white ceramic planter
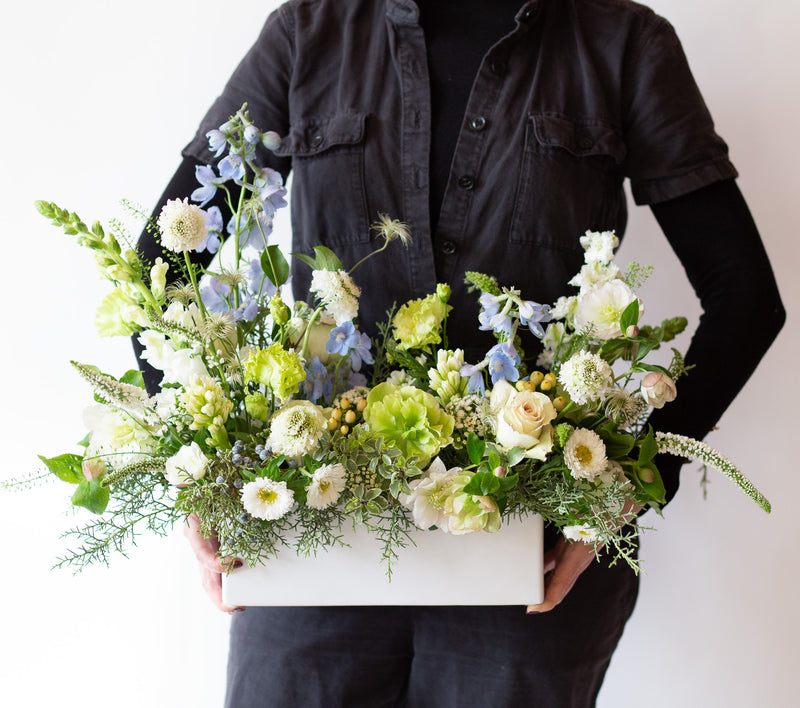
(503, 568)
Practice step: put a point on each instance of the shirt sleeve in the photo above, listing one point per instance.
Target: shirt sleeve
(673, 148)
(262, 81)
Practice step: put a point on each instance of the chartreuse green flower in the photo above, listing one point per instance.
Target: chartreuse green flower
(409, 419)
(419, 322)
(275, 367)
(469, 512)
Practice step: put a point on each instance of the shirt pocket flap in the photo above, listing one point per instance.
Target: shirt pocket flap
(581, 137)
(312, 136)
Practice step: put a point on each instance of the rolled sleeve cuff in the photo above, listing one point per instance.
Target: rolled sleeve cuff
(662, 189)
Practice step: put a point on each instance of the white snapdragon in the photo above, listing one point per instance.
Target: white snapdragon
(599, 246)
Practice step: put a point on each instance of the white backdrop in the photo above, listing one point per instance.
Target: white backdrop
(99, 99)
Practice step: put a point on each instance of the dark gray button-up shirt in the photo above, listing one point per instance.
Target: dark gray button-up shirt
(578, 96)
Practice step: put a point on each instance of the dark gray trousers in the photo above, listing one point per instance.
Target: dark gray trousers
(432, 657)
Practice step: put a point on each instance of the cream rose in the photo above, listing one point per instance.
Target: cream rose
(523, 419)
(658, 389)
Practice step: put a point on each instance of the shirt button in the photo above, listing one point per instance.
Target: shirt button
(528, 15)
(466, 181)
(316, 141)
(585, 141)
(478, 123)
(498, 68)
(448, 248)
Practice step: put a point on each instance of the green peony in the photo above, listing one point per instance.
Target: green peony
(409, 419)
(470, 512)
(419, 322)
(275, 367)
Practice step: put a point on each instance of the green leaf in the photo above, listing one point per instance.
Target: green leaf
(630, 315)
(308, 260)
(475, 448)
(325, 259)
(648, 449)
(618, 445)
(274, 265)
(648, 479)
(509, 482)
(494, 460)
(514, 455)
(91, 495)
(66, 467)
(133, 377)
(639, 366)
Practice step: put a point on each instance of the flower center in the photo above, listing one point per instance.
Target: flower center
(267, 495)
(324, 486)
(583, 453)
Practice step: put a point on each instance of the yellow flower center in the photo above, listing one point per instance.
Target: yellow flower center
(583, 453)
(267, 495)
(323, 486)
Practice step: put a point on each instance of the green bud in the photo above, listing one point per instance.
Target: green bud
(443, 291)
(279, 310)
(563, 431)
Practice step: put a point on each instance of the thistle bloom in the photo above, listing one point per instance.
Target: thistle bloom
(585, 454)
(182, 225)
(267, 499)
(586, 377)
(338, 292)
(327, 483)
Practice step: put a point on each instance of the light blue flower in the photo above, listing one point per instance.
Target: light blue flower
(492, 318)
(356, 380)
(208, 184)
(252, 135)
(257, 283)
(317, 382)
(214, 226)
(342, 339)
(533, 315)
(361, 353)
(217, 142)
(215, 295)
(503, 359)
(474, 373)
(231, 167)
(268, 187)
(255, 227)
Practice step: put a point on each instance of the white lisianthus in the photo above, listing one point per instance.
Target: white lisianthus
(428, 494)
(336, 289)
(184, 366)
(267, 499)
(585, 454)
(522, 419)
(658, 389)
(182, 225)
(599, 246)
(327, 483)
(584, 532)
(586, 377)
(601, 307)
(111, 429)
(186, 466)
(296, 428)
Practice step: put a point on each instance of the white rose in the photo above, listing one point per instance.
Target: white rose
(601, 307)
(523, 419)
(187, 465)
(658, 389)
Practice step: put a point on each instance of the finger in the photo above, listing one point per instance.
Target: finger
(212, 584)
(206, 549)
(569, 564)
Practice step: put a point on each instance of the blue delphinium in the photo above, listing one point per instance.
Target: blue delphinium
(532, 315)
(214, 226)
(503, 360)
(361, 353)
(474, 373)
(209, 182)
(342, 339)
(494, 319)
(317, 382)
(214, 295)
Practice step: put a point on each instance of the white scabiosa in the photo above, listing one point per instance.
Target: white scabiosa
(267, 499)
(296, 429)
(182, 225)
(600, 308)
(585, 454)
(583, 532)
(336, 289)
(586, 377)
(327, 483)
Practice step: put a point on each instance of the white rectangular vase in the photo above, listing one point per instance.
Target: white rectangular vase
(503, 568)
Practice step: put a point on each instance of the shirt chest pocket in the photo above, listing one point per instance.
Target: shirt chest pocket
(570, 181)
(328, 195)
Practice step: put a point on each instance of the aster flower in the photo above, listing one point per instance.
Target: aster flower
(266, 499)
(585, 377)
(296, 429)
(584, 532)
(327, 483)
(585, 454)
(338, 292)
(182, 225)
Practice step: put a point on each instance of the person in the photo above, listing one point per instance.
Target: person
(499, 132)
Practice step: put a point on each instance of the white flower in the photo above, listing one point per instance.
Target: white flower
(522, 419)
(187, 317)
(184, 367)
(317, 337)
(327, 483)
(111, 429)
(601, 307)
(266, 499)
(296, 428)
(593, 274)
(612, 473)
(428, 494)
(182, 225)
(658, 389)
(400, 378)
(585, 454)
(187, 465)
(564, 309)
(599, 246)
(584, 532)
(339, 293)
(158, 277)
(585, 377)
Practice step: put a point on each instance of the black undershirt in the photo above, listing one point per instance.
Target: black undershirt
(711, 231)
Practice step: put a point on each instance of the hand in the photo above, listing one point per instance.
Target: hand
(565, 563)
(206, 550)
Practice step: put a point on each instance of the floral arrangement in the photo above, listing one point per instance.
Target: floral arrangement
(278, 423)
